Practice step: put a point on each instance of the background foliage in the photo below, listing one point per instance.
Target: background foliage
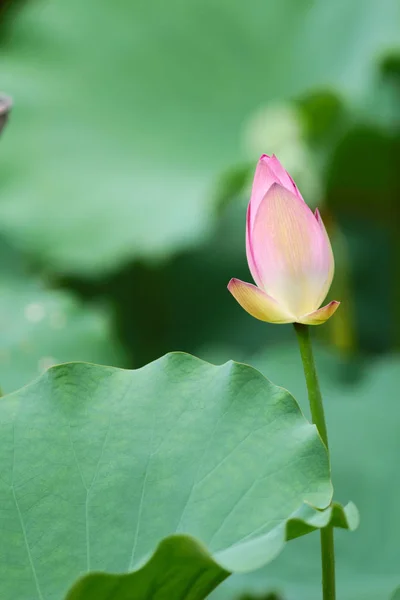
(124, 176)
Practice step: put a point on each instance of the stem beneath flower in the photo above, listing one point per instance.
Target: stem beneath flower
(318, 418)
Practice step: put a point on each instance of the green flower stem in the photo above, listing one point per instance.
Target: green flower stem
(318, 418)
(314, 392)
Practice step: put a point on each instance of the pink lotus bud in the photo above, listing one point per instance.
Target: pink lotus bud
(288, 251)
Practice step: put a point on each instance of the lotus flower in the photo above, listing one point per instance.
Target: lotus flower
(288, 252)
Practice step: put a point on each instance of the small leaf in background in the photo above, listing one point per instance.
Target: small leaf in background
(5, 107)
(41, 326)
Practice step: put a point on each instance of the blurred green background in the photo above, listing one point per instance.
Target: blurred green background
(124, 177)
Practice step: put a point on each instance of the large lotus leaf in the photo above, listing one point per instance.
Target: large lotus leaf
(363, 416)
(99, 465)
(124, 115)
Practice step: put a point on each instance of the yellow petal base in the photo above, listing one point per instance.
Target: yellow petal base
(321, 315)
(258, 304)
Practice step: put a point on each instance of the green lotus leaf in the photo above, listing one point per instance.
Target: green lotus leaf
(124, 118)
(132, 472)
